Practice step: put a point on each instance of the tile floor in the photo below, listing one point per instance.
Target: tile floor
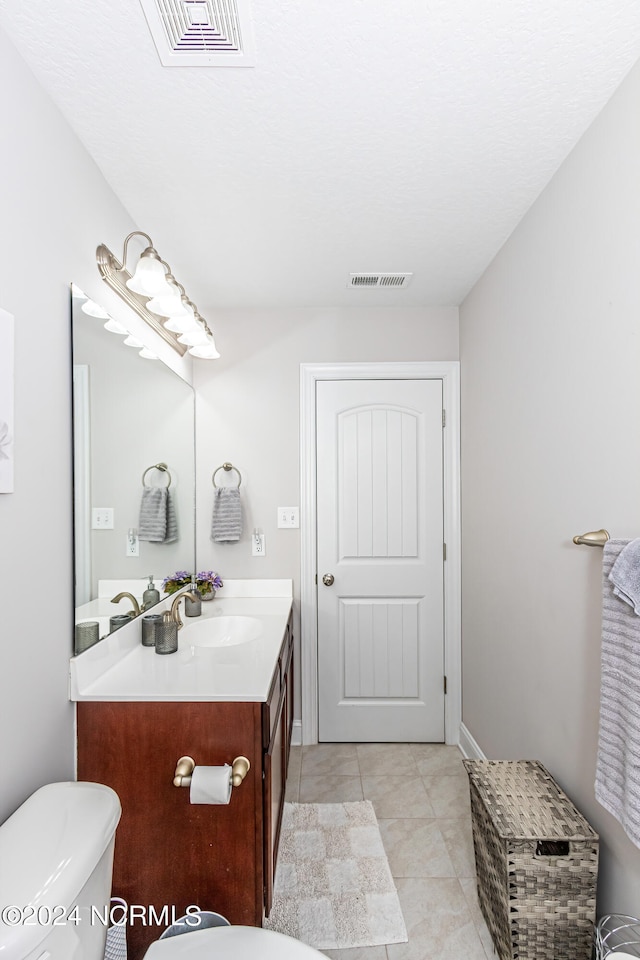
(421, 797)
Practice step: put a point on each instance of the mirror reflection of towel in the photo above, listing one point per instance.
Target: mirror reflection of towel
(157, 522)
(226, 522)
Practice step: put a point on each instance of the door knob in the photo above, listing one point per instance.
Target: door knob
(327, 579)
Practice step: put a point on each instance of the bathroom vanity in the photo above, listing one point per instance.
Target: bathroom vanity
(140, 712)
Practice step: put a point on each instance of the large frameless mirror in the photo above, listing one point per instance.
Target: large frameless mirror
(134, 478)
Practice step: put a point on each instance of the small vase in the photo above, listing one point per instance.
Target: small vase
(207, 596)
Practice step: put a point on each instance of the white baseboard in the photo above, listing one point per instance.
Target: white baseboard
(296, 734)
(469, 747)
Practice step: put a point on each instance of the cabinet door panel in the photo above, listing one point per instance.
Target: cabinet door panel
(274, 766)
(288, 708)
(169, 851)
(276, 763)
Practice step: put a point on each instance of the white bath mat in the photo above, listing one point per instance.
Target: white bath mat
(333, 885)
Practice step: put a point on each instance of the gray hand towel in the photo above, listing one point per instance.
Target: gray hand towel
(618, 764)
(625, 575)
(157, 523)
(172, 523)
(226, 522)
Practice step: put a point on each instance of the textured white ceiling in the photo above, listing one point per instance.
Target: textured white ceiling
(370, 136)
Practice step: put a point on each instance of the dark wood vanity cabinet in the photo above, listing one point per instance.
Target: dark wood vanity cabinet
(277, 726)
(171, 853)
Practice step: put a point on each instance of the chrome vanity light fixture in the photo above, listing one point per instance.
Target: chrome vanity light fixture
(154, 293)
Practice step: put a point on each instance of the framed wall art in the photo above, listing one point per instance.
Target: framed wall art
(6, 401)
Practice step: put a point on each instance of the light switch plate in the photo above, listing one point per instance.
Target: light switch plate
(288, 517)
(102, 518)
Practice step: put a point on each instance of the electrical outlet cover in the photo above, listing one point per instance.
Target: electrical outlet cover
(258, 547)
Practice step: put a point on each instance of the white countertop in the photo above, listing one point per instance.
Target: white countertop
(120, 668)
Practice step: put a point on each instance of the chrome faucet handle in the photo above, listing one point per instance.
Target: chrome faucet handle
(175, 606)
(136, 606)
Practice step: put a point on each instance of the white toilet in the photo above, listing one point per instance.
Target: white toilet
(56, 852)
(231, 943)
(56, 858)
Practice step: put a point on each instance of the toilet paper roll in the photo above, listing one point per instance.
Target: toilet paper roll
(211, 784)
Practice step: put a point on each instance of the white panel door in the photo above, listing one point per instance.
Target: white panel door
(380, 537)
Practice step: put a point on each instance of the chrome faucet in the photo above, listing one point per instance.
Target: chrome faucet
(136, 606)
(175, 607)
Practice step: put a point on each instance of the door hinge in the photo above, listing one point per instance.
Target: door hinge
(316, 582)
(445, 685)
(444, 551)
(444, 418)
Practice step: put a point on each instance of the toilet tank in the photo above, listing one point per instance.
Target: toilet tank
(56, 856)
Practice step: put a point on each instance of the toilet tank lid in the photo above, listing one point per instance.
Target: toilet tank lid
(50, 846)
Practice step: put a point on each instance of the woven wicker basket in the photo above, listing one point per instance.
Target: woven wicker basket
(536, 862)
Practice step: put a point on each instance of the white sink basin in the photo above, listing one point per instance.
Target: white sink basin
(221, 632)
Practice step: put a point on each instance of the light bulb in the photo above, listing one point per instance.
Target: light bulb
(181, 324)
(133, 342)
(94, 310)
(207, 352)
(114, 327)
(195, 338)
(149, 278)
(147, 354)
(167, 304)
(188, 309)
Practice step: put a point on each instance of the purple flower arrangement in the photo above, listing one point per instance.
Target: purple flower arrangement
(207, 581)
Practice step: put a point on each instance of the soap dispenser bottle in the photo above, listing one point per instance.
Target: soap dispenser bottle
(193, 608)
(151, 595)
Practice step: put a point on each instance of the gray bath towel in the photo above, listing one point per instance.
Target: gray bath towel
(226, 522)
(618, 765)
(625, 575)
(157, 523)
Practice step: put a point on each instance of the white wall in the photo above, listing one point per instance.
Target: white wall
(247, 411)
(550, 360)
(56, 207)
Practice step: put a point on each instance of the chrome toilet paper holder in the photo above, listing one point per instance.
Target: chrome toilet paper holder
(185, 767)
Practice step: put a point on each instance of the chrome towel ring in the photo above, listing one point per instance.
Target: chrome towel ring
(157, 466)
(225, 466)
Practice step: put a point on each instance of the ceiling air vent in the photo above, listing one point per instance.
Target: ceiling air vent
(379, 279)
(201, 33)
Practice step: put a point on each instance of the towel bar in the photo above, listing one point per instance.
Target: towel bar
(226, 466)
(595, 538)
